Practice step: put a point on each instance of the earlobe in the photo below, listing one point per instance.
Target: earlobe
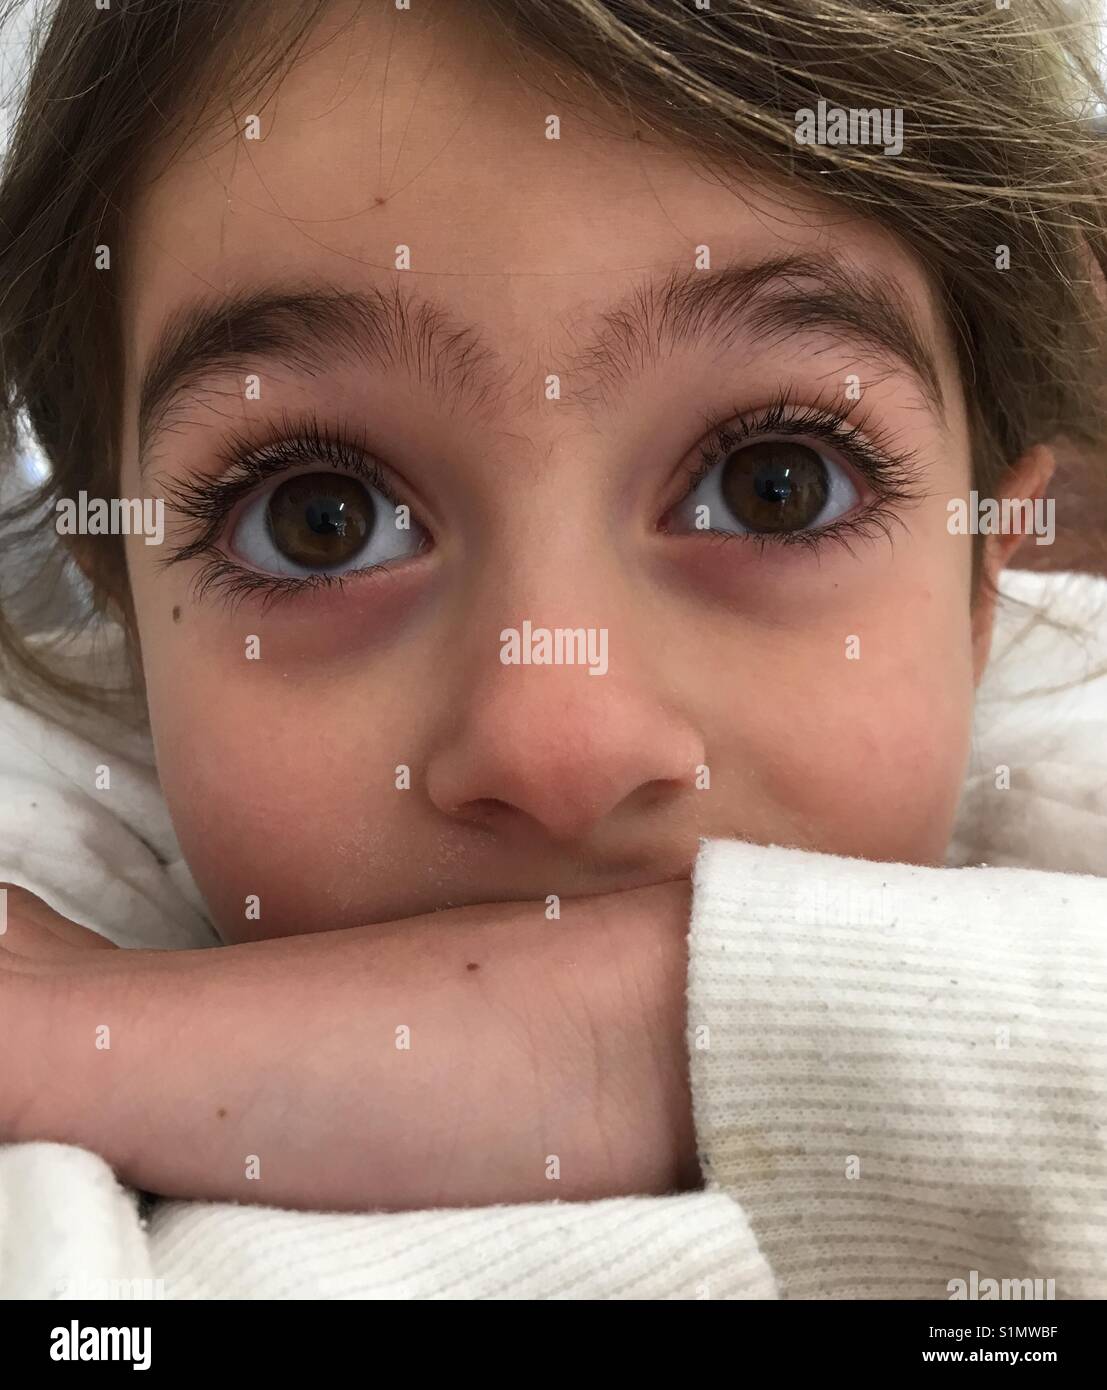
(1025, 483)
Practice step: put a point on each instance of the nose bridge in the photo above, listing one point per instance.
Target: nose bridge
(554, 571)
(548, 513)
(554, 661)
(560, 615)
(581, 647)
(553, 594)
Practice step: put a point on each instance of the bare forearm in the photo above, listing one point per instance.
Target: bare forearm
(473, 1056)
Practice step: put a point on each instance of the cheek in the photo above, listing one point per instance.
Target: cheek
(857, 747)
(283, 793)
(888, 778)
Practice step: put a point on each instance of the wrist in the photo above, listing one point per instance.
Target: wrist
(652, 1135)
(79, 1028)
(26, 1083)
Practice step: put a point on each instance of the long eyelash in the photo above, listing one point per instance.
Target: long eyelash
(894, 474)
(233, 583)
(205, 502)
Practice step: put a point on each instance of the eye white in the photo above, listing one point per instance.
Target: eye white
(252, 542)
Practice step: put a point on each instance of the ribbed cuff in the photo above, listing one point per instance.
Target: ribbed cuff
(900, 1073)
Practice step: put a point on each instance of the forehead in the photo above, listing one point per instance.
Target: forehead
(401, 131)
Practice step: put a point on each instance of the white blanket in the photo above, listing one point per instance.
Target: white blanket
(905, 1082)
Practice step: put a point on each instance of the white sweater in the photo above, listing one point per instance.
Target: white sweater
(899, 1074)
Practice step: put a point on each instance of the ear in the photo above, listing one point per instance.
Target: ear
(1026, 481)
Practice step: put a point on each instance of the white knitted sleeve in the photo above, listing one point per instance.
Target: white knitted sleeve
(900, 1073)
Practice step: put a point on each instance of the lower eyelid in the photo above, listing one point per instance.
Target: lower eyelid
(223, 578)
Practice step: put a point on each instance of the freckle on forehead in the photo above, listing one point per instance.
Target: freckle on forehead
(176, 615)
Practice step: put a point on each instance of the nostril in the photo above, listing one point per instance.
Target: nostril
(655, 794)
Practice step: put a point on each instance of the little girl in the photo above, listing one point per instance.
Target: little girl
(448, 344)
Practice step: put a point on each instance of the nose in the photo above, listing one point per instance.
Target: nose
(551, 751)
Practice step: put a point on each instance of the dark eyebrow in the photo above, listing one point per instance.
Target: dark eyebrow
(773, 299)
(309, 327)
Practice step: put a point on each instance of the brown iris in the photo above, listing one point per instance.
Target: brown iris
(775, 486)
(320, 518)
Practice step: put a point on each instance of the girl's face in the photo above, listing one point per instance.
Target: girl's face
(588, 377)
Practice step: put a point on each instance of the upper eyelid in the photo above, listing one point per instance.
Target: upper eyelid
(828, 432)
(795, 401)
(270, 466)
(823, 409)
(304, 433)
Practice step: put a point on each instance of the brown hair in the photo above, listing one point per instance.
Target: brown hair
(1001, 153)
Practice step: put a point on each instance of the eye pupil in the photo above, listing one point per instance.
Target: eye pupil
(320, 519)
(775, 486)
(772, 487)
(325, 517)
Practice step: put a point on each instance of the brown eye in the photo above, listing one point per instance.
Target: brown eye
(775, 486)
(319, 520)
